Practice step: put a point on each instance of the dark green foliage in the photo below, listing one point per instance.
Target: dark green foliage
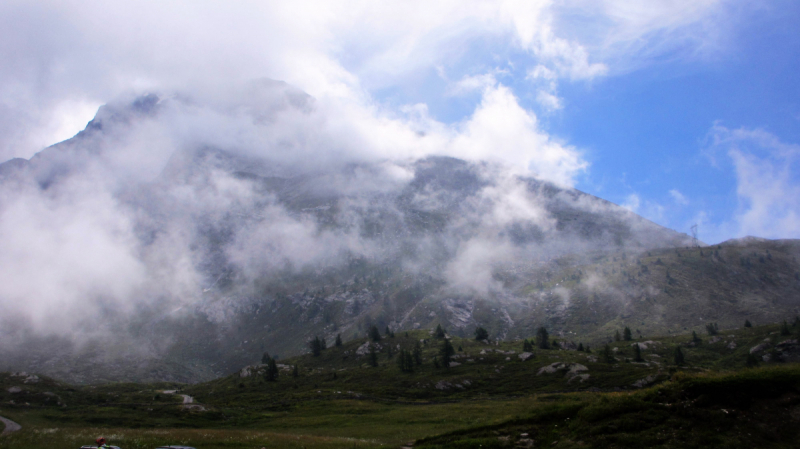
(322, 343)
(389, 352)
(785, 329)
(580, 347)
(295, 372)
(626, 334)
(373, 356)
(747, 323)
(555, 344)
(617, 337)
(338, 341)
(796, 322)
(637, 353)
(695, 338)
(527, 346)
(460, 349)
(265, 358)
(271, 374)
(446, 352)
(542, 338)
(439, 332)
(678, 358)
(417, 354)
(712, 328)
(608, 355)
(481, 334)
(405, 361)
(752, 360)
(374, 334)
(316, 346)
(389, 332)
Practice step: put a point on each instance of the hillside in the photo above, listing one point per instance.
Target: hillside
(490, 396)
(199, 259)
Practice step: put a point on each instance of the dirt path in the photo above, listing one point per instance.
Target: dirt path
(11, 426)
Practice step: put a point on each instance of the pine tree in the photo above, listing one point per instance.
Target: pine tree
(747, 323)
(527, 346)
(481, 334)
(637, 353)
(316, 346)
(265, 358)
(695, 338)
(679, 360)
(417, 354)
(712, 328)
(439, 333)
(374, 334)
(785, 328)
(617, 336)
(580, 347)
(542, 338)
(608, 355)
(271, 374)
(446, 352)
(796, 321)
(295, 372)
(588, 349)
(338, 341)
(373, 356)
(322, 344)
(626, 334)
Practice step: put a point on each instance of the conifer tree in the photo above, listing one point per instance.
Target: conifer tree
(747, 323)
(678, 359)
(316, 346)
(295, 372)
(785, 329)
(373, 356)
(626, 334)
(542, 338)
(527, 346)
(338, 341)
(712, 328)
(580, 347)
(374, 334)
(447, 352)
(322, 344)
(637, 353)
(617, 336)
(439, 333)
(695, 338)
(481, 334)
(608, 355)
(265, 358)
(271, 375)
(417, 354)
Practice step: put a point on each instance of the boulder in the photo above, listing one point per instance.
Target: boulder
(731, 345)
(13, 390)
(525, 356)
(759, 348)
(645, 382)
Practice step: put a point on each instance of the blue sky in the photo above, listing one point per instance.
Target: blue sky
(684, 111)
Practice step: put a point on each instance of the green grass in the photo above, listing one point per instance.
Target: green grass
(499, 400)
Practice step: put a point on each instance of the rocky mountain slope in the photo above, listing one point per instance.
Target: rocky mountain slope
(239, 252)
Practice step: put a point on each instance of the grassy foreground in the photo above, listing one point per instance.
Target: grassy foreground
(492, 398)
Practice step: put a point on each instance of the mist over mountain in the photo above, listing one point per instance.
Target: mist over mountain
(178, 237)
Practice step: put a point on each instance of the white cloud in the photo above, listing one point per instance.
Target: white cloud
(767, 187)
(678, 197)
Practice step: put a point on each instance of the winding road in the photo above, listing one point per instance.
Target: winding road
(11, 426)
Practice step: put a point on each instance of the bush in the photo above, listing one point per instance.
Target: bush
(481, 334)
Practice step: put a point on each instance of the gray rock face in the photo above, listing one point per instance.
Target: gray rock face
(759, 348)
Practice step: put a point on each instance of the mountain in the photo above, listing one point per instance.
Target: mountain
(152, 249)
